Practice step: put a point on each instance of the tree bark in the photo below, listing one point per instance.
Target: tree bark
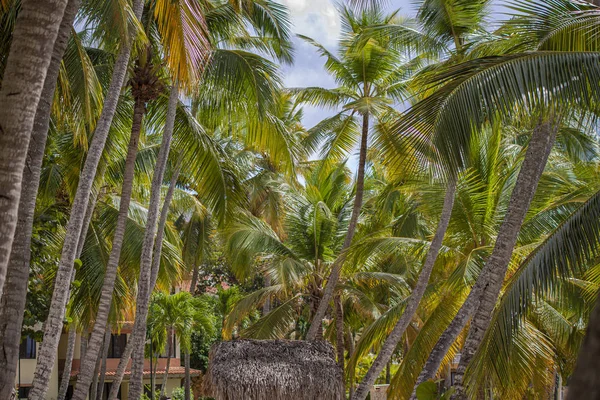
(336, 268)
(36, 29)
(395, 336)
(86, 372)
(446, 339)
(93, 390)
(12, 303)
(105, 349)
(194, 282)
(116, 383)
(64, 382)
(54, 322)
(339, 330)
(494, 272)
(146, 284)
(188, 380)
(163, 387)
(585, 381)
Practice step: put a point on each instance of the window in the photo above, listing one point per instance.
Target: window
(24, 392)
(27, 348)
(117, 345)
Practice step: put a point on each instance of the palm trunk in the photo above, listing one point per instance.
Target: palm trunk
(494, 272)
(163, 387)
(94, 389)
(12, 303)
(145, 284)
(339, 330)
(350, 347)
(446, 339)
(35, 33)
(86, 373)
(116, 382)
(336, 268)
(395, 336)
(194, 282)
(54, 323)
(105, 349)
(188, 379)
(64, 382)
(585, 381)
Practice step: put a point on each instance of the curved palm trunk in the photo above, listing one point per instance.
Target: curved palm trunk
(585, 381)
(105, 349)
(395, 336)
(336, 268)
(339, 330)
(116, 382)
(494, 272)
(54, 322)
(12, 303)
(163, 387)
(64, 382)
(145, 284)
(34, 36)
(86, 373)
(432, 365)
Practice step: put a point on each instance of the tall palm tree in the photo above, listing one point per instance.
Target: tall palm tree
(370, 75)
(54, 323)
(33, 38)
(12, 299)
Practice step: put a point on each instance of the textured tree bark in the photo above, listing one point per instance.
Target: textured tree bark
(97, 336)
(339, 330)
(54, 322)
(194, 282)
(163, 387)
(446, 339)
(385, 354)
(64, 382)
(116, 383)
(105, 349)
(12, 302)
(146, 283)
(494, 272)
(336, 268)
(585, 381)
(188, 380)
(94, 388)
(34, 36)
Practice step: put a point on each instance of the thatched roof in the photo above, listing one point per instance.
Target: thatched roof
(274, 370)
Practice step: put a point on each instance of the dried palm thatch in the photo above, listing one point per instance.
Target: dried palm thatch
(274, 370)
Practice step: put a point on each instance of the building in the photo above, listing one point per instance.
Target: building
(28, 359)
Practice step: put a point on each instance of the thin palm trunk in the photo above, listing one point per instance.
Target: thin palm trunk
(494, 272)
(12, 303)
(93, 389)
(105, 349)
(118, 378)
(585, 381)
(194, 282)
(336, 268)
(66, 376)
(145, 284)
(54, 322)
(416, 295)
(169, 350)
(86, 372)
(34, 36)
(350, 348)
(188, 380)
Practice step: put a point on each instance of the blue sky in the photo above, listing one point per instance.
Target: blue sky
(319, 20)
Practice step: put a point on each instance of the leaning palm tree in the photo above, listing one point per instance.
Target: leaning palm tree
(370, 76)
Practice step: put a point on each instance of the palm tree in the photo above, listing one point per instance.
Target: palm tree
(54, 323)
(33, 38)
(177, 316)
(13, 300)
(371, 77)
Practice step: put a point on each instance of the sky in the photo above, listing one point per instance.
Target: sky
(319, 20)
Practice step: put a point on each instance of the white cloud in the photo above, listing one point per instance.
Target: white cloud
(315, 18)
